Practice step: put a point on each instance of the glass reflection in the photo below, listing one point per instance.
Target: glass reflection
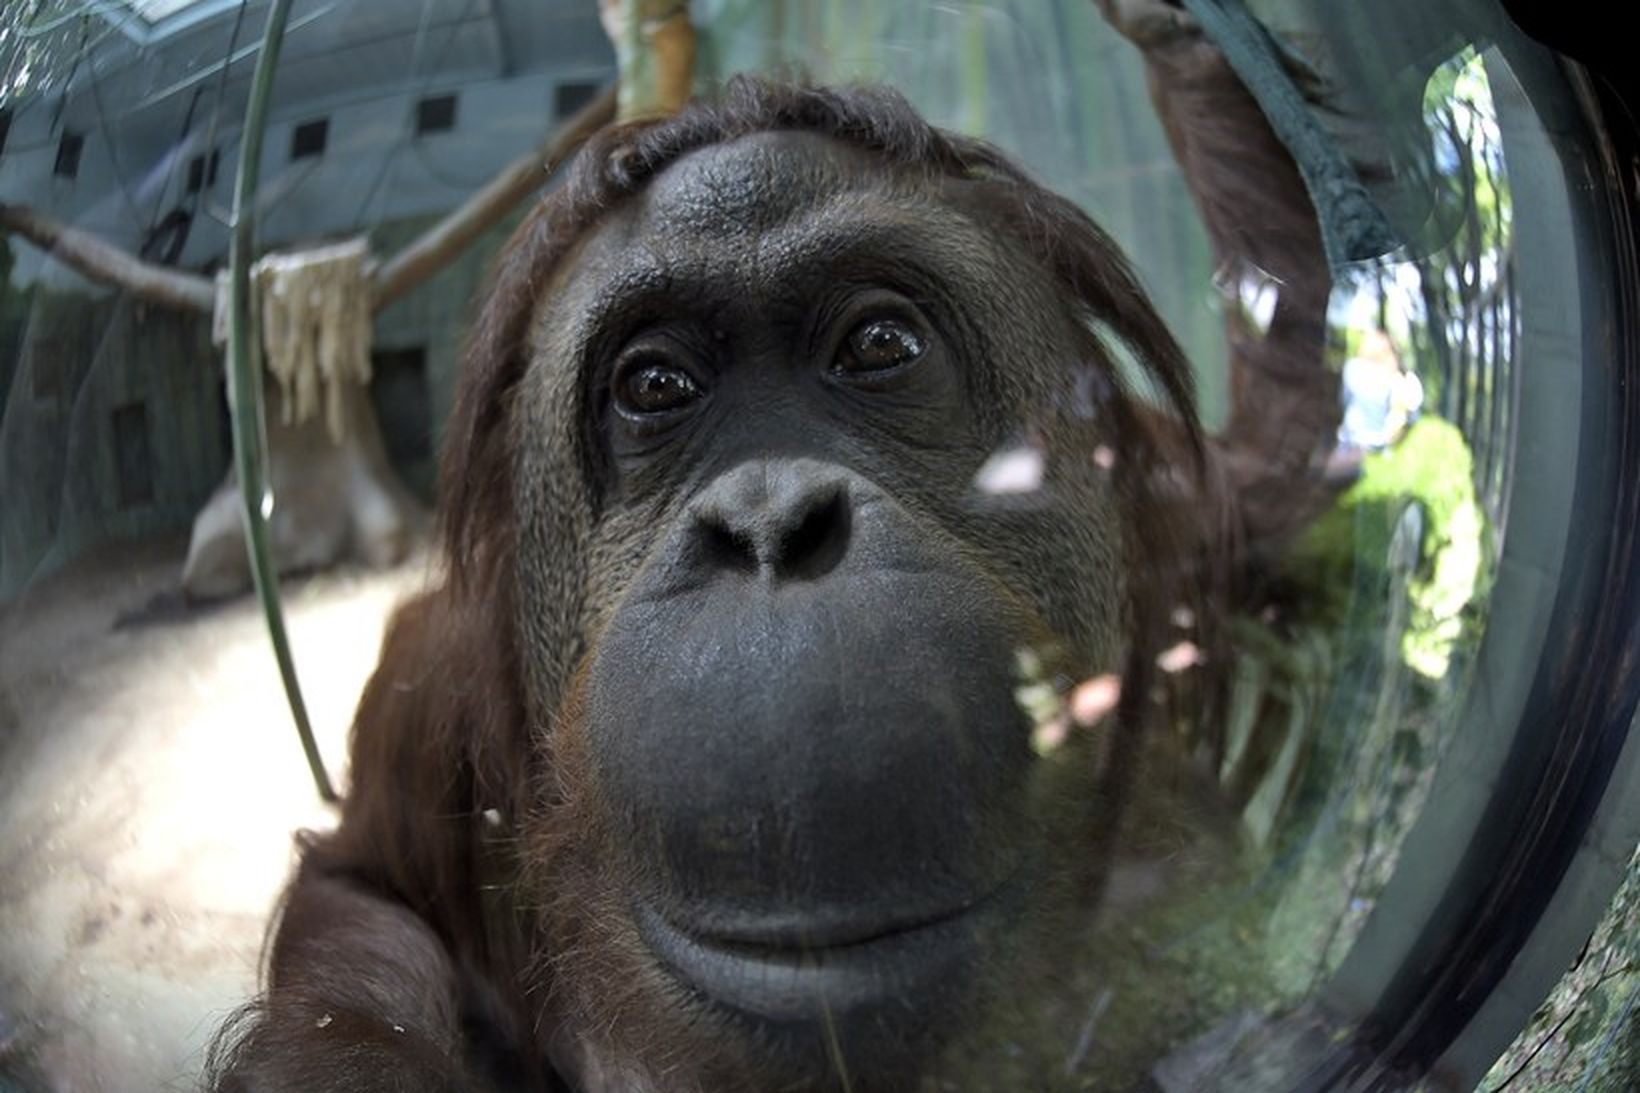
(1343, 693)
(1296, 736)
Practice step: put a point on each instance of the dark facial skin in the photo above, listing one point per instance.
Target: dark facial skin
(798, 714)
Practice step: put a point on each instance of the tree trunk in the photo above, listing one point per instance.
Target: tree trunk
(654, 53)
(333, 500)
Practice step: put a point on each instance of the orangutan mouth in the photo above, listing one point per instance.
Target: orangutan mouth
(802, 972)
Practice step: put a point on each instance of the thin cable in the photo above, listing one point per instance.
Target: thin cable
(39, 29)
(245, 388)
(113, 154)
(211, 153)
(419, 92)
(216, 109)
(21, 104)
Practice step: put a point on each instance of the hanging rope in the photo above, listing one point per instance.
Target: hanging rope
(1353, 228)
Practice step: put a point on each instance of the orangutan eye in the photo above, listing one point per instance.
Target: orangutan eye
(649, 386)
(876, 346)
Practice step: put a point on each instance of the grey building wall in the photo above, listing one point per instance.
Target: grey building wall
(112, 419)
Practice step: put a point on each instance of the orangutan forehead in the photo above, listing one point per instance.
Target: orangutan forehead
(773, 217)
(755, 184)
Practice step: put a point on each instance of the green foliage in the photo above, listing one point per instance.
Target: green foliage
(40, 44)
(1462, 121)
(1431, 467)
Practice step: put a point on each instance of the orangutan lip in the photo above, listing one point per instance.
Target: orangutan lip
(785, 974)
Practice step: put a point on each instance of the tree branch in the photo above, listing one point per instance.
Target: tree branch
(519, 179)
(106, 263)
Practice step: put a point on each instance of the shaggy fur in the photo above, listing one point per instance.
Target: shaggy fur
(460, 927)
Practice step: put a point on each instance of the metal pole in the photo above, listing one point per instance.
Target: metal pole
(245, 386)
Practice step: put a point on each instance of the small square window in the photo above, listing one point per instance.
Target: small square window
(308, 139)
(133, 461)
(49, 364)
(68, 155)
(436, 114)
(399, 393)
(202, 171)
(224, 423)
(569, 97)
(398, 389)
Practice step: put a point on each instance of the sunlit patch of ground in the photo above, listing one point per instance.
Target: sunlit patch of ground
(150, 783)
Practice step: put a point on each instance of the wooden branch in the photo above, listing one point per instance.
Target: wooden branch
(441, 243)
(438, 246)
(107, 264)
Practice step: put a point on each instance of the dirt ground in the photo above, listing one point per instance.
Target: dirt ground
(150, 783)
